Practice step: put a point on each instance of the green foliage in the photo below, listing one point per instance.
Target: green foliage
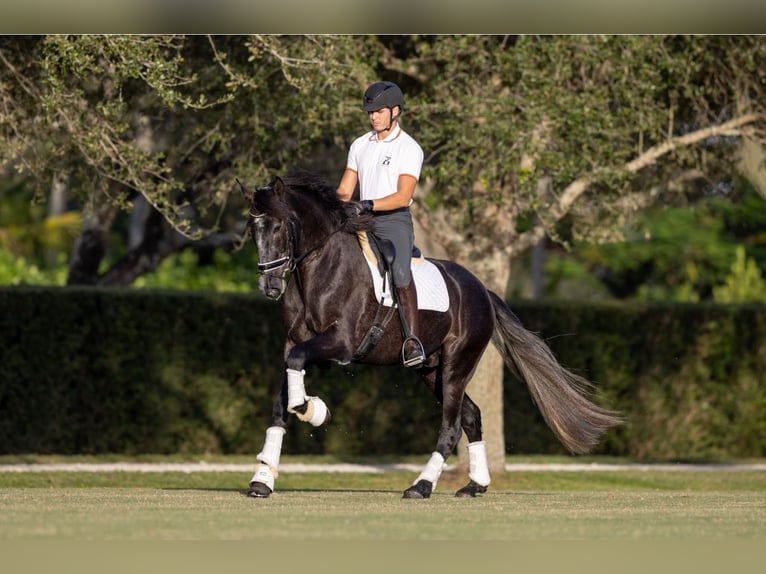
(157, 114)
(743, 284)
(686, 253)
(570, 105)
(177, 118)
(503, 113)
(20, 271)
(567, 278)
(226, 272)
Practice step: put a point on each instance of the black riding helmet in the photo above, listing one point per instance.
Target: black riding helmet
(382, 95)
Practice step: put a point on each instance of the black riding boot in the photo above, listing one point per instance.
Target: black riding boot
(413, 354)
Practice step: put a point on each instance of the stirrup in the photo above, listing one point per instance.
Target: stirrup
(418, 358)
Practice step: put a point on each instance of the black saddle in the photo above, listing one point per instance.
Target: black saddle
(385, 252)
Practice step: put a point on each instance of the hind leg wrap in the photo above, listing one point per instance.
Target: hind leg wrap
(478, 471)
(268, 470)
(433, 470)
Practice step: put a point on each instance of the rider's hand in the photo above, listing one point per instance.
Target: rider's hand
(360, 207)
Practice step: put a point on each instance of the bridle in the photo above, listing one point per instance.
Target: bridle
(288, 262)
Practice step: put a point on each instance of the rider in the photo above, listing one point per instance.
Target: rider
(386, 163)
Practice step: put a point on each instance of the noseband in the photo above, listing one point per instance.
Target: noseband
(288, 260)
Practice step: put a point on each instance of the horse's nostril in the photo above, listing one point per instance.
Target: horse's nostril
(273, 293)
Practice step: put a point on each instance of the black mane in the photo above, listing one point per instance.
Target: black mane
(325, 196)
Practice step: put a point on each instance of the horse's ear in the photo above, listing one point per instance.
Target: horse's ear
(279, 188)
(246, 193)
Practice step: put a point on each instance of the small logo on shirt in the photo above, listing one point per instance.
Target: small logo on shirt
(387, 160)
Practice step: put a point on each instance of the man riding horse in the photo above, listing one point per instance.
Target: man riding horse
(386, 163)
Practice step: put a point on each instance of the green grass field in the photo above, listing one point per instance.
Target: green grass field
(520, 506)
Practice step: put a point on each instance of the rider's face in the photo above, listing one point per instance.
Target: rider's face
(380, 119)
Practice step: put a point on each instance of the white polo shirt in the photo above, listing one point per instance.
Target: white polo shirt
(379, 164)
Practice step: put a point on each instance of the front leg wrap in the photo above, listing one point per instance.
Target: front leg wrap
(268, 470)
(316, 412)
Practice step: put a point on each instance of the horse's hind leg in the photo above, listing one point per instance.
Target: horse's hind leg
(449, 434)
(426, 481)
(478, 470)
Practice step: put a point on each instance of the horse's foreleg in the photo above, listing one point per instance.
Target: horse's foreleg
(262, 483)
(308, 409)
(324, 347)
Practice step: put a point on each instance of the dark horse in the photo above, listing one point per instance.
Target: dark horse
(300, 226)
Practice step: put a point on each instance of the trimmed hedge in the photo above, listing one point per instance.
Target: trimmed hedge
(87, 370)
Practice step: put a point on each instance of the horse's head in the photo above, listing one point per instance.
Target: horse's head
(273, 232)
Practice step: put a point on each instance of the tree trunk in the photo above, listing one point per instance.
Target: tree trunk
(752, 163)
(91, 246)
(153, 247)
(150, 241)
(56, 207)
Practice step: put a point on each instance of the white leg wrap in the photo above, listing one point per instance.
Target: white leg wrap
(296, 392)
(316, 412)
(433, 470)
(264, 475)
(478, 471)
(272, 448)
(268, 470)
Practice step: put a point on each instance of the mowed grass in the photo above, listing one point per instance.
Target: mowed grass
(602, 505)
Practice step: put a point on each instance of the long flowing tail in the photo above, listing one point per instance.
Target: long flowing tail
(560, 395)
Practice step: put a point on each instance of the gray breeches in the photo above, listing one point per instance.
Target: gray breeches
(397, 228)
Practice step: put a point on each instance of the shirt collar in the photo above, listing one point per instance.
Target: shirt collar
(391, 137)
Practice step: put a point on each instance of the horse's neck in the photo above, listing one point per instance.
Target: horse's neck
(336, 252)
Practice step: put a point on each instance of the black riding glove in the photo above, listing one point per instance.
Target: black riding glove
(363, 206)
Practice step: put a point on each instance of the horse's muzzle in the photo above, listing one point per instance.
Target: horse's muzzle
(272, 287)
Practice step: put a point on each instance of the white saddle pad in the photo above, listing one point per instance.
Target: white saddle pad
(429, 283)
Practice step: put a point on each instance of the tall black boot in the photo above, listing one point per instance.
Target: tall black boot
(413, 354)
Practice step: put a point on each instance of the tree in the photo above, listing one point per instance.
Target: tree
(157, 128)
(568, 137)
(525, 137)
(679, 252)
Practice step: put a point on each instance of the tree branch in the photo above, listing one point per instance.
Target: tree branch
(731, 128)
(570, 195)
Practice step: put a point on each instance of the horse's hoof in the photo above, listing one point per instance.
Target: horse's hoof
(470, 490)
(259, 490)
(420, 490)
